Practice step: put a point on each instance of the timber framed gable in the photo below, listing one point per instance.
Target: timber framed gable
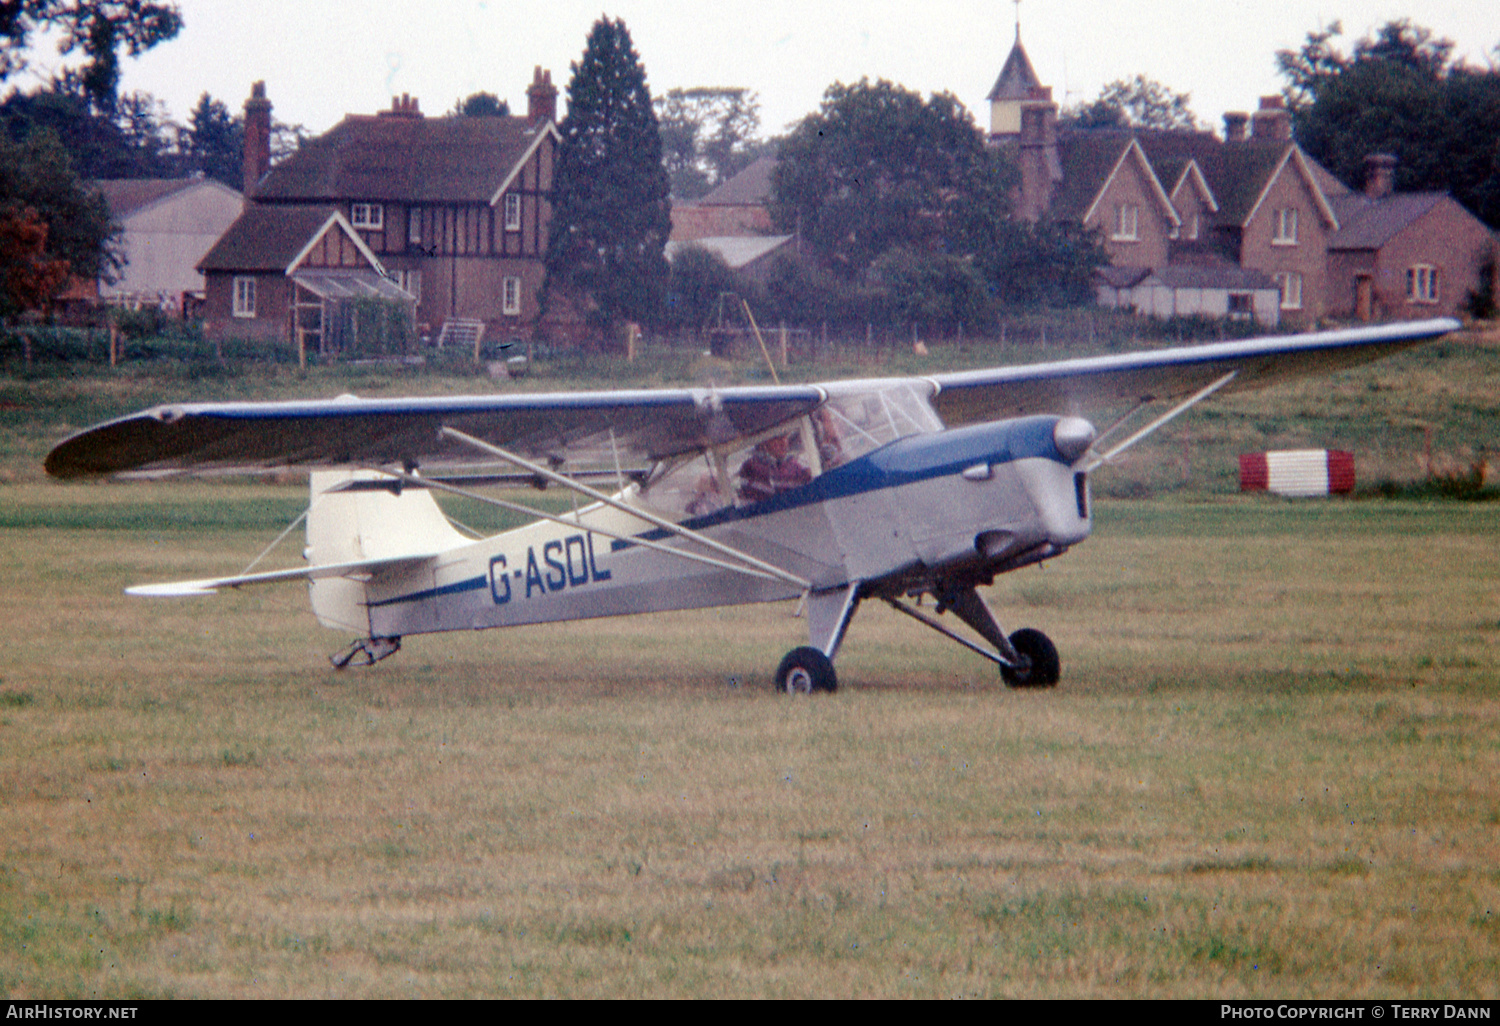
(454, 207)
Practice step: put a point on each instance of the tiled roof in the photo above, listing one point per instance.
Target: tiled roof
(403, 159)
(751, 187)
(1219, 277)
(265, 238)
(1370, 224)
(1121, 277)
(1236, 172)
(125, 196)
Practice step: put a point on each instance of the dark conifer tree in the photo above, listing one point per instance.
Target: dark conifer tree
(611, 216)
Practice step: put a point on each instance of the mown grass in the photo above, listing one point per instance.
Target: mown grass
(1270, 770)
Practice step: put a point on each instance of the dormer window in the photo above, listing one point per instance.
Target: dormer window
(1127, 223)
(1286, 227)
(368, 216)
(512, 212)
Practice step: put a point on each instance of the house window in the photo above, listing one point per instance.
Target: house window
(1127, 223)
(370, 216)
(244, 297)
(1422, 283)
(1286, 227)
(512, 212)
(511, 296)
(410, 281)
(1290, 284)
(1241, 306)
(414, 227)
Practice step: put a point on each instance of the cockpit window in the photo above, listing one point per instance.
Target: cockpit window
(851, 425)
(692, 488)
(842, 429)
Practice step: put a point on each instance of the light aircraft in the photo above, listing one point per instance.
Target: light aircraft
(835, 493)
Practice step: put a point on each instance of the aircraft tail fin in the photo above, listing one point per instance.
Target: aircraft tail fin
(352, 519)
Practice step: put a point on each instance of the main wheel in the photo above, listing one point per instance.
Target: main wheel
(1038, 649)
(805, 670)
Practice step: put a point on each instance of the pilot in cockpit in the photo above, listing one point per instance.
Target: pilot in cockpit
(772, 468)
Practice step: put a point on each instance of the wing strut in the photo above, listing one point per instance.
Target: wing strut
(764, 569)
(1095, 459)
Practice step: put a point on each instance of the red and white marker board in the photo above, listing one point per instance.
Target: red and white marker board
(1298, 472)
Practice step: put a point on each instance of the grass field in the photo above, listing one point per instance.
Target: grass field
(1271, 768)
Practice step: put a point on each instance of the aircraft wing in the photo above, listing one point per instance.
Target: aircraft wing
(1082, 385)
(638, 425)
(582, 428)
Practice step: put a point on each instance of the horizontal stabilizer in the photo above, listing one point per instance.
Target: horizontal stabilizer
(209, 585)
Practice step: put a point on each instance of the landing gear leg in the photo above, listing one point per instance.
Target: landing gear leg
(810, 668)
(1027, 658)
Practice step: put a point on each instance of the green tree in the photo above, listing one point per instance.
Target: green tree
(929, 288)
(610, 214)
(136, 141)
(98, 29)
(708, 136)
(1399, 92)
(52, 221)
(214, 142)
(876, 168)
(904, 203)
(699, 278)
(481, 105)
(1137, 102)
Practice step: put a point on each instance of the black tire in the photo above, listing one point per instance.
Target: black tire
(1045, 668)
(804, 671)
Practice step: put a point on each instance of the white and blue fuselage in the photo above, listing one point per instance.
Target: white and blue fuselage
(925, 512)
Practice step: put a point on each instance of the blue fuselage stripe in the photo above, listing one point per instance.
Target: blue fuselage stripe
(457, 587)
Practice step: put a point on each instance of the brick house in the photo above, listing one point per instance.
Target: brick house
(292, 276)
(1249, 201)
(453, 210)
(1404, 255)
(735, 208)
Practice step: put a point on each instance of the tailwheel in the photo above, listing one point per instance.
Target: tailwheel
(1040, 666)
(366, 652)
(804, 671)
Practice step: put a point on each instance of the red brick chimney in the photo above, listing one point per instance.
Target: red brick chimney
(257, 160)
(403, 106)
(1380, 175)
(1273, 122)
(1234, 126)
(541, 98)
